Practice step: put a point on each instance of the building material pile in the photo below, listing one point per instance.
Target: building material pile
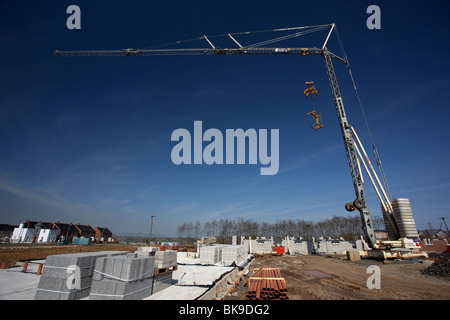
(165, 259)
(267, 284)
(165, 263)
(123, 278)
(234, 254)
(162, 281)
(210, 254)
(146, 251)
(441, 267)
(69, 276)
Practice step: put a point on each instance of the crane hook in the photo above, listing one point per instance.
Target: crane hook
(317, 119)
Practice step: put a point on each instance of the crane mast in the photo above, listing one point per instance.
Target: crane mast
(351, 140)
(360, 202)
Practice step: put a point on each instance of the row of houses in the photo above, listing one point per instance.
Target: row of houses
(38, 231)
(434, 240)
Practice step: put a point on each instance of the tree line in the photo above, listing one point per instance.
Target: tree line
(349, 228)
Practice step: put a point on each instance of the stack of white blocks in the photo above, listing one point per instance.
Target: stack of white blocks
(234, 254)
(210, 254)
(123, 278)
(146, 251)
(165, 259)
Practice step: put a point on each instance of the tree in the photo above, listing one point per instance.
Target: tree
(348, 227)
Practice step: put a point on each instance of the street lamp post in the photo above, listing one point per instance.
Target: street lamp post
(151, 227)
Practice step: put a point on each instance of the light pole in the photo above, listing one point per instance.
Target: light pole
(151, 227)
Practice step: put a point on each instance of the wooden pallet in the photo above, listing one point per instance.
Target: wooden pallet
(165, 270)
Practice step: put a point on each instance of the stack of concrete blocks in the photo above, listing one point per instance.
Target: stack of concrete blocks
(234, 254)
(146, 251)
(333, 246)
(164, 260)
(69, 276)
(210, 254)
(297, 246)
(162, 281)
(123, 278)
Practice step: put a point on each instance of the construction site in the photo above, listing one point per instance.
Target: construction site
(254, 270)
(61, 261)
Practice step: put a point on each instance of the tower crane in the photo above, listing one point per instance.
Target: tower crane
(396, 212)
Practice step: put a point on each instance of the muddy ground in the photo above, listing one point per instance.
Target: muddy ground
(333, 278)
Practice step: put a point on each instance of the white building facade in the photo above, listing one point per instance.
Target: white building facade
(30, 235)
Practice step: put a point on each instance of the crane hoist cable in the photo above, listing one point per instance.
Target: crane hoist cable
(307, 29)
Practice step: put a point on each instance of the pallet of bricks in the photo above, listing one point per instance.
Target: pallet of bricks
(69, 276)
(165, 264)
(267, 284)
(126, 277)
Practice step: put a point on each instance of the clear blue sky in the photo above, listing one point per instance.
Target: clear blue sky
(88, 139)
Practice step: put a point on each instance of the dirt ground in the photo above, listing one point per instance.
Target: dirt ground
(333, 278)
(14, 253)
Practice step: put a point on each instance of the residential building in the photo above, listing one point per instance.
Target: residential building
(6, 232)
(85, 231)
(66, 231)
(434, 240)
(103, 234)
(33, 231)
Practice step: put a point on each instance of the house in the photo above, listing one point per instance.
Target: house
(103, 234)
(66, 231)
(6, 232)
(33, 231)
(434, 234)
(434, 240)
(85, 231)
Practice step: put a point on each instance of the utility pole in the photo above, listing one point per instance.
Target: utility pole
(151, 227)
(443, 220)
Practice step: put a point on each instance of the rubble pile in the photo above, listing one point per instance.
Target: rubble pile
(441, 267)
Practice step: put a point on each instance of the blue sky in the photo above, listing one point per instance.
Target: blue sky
(88, 139)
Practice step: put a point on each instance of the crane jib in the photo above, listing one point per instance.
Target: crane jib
(197, 51)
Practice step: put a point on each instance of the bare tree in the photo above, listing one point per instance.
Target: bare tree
(348, 227)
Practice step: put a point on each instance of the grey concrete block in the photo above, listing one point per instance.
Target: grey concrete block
(58, 269)
(353, 255)
(162, 281)
(124, 278)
